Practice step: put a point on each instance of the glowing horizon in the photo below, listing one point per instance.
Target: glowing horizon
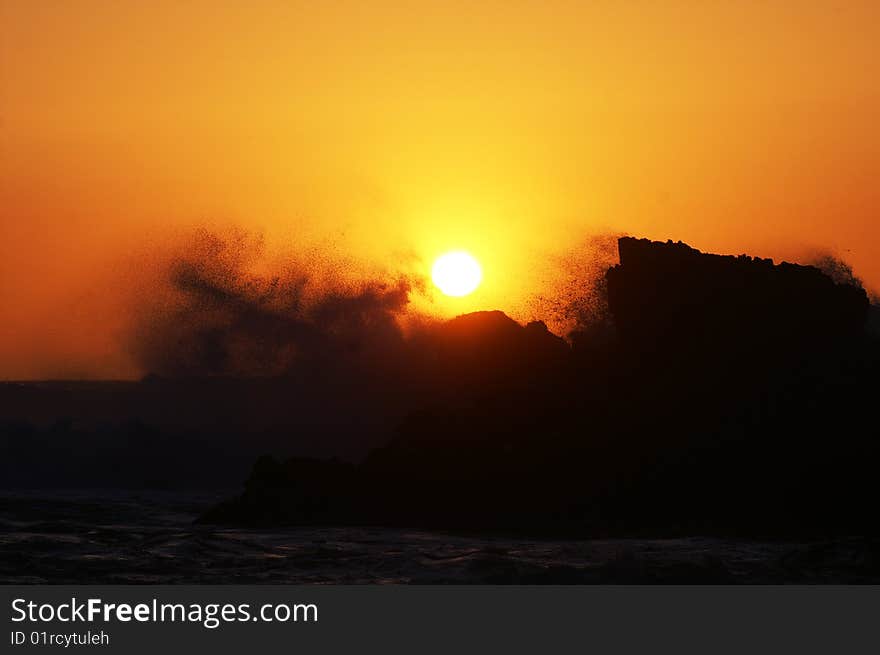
(372, 139)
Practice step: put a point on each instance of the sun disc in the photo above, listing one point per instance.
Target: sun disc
(457, 273)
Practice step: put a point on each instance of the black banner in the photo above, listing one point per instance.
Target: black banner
(234, 619)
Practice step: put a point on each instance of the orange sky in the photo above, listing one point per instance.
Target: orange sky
(392, 131)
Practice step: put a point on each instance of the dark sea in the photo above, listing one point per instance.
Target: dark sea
(114, 537)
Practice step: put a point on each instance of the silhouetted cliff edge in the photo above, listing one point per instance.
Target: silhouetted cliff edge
(670, 299)
(725, 394)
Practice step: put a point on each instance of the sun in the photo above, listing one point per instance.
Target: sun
(457, 273)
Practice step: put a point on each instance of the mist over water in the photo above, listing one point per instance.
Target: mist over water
(220, 316)
(220, 308)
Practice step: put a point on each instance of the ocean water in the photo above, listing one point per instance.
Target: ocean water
(114, 537)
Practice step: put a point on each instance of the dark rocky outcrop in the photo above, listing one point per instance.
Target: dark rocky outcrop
(488, 350)
(670, 299)
(736, 396)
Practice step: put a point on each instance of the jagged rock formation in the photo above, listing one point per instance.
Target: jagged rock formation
(670, 298)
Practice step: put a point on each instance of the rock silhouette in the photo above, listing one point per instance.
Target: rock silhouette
(670, 298)
(716, 394)
(733, 396)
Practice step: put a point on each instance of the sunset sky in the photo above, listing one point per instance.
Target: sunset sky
(383, 134)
